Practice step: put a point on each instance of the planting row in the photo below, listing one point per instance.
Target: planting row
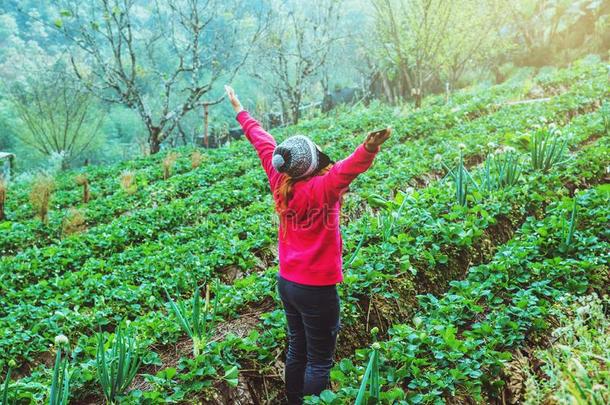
(456, 345)
(377, 275)
(425, 252)
(253, 349)
(18, 235)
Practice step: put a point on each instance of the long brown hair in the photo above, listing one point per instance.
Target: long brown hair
(284, 192)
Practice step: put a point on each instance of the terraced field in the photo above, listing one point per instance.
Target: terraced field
(451, 278)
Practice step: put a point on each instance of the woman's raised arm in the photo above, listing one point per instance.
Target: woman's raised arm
(336, 181)
(262, 141)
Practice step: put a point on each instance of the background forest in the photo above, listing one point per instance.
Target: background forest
(107, 80)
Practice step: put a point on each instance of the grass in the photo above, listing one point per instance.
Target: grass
(83, 181)
(74, 222)
(196, 159)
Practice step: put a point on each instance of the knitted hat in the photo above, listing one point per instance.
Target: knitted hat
(298, 157)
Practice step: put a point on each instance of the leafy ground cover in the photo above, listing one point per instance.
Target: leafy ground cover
(573, 366)
(209, 227)
(457, 343)
(469, 119)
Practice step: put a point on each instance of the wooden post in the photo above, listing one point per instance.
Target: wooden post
(205, 124)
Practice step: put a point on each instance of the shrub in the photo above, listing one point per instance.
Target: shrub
(83, 181)
(168, 163)
(74, 222)
(40, 196)
(196, 159)
(128, 182)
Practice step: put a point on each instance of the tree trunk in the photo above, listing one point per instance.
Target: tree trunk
(416, 93)
(295, 111)
(206, 120)
(387, 88)
(154, 143)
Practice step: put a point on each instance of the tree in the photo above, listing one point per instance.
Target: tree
(57, 116)
(544, 30)
(300, 39)
(161, 59)
(422, 40)
(474, 38)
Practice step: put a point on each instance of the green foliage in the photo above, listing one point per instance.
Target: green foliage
(388, 217)
(7, 380)
(458, 342)
(212, 224)
(547, 149)
(569, 232)
(60, 382)
(117, 362)
(605, 112)
(554, 32)
(501, 170)
(574, 369)
(462, 180)
(370, 379)
(200, 324)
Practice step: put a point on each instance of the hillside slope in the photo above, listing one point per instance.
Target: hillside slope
(405, 234)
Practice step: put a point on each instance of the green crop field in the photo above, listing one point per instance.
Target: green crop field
(481, 223)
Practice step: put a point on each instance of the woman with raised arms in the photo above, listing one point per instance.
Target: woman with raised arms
(307, 189)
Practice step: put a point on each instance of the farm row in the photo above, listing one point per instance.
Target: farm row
(223, 236)
(471, 114)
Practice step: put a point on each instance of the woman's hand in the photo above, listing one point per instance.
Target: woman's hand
(233, 99)
(374, 139)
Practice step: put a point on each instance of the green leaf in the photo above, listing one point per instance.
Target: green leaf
(170, 373)
(328, 396)
(58, 23)
(231, 376)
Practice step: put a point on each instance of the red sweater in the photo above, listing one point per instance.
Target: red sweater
(310, 245)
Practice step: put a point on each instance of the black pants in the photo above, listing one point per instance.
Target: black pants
(312, 314)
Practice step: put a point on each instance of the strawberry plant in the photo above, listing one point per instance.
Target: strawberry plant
(482, 287)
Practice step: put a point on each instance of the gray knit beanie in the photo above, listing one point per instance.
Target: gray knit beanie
(297, 157)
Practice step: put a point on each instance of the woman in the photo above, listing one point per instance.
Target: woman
(307, 188)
